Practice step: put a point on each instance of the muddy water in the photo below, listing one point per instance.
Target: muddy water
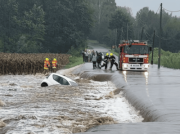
(25, 107)
(154, 93)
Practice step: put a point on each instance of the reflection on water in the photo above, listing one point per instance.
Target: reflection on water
(147, 93)
(146, 74)
(125, 76)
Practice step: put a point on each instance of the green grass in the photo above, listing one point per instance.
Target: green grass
(168, 59)
(114, 52)
(74, 61)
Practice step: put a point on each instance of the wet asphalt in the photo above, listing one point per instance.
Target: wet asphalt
(155, 94)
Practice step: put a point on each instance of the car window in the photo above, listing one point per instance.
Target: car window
(64, 82)
(57, 78)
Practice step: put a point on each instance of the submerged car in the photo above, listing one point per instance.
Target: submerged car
(54, 79)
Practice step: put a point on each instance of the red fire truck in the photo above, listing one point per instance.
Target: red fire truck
(134, 55)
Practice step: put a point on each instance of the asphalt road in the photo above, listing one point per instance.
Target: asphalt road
(156, 94)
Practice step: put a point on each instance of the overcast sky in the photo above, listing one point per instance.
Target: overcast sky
(136, 5)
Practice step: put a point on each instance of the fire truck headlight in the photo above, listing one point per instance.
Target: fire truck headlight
(146, 66)
(125, 65)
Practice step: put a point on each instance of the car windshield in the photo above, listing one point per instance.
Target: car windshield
(136, 49)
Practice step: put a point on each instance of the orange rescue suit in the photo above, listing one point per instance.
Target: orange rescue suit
(54, 64)
(46, 64)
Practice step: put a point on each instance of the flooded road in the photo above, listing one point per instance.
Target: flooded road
(27, 108)
(154, 93)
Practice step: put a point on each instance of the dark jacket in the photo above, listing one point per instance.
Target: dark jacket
(112, 58)
(106, 58)
(99, 57)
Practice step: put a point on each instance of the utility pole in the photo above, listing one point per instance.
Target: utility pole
(142, 33)
(153, 49)
(127, 31)
(159, 58)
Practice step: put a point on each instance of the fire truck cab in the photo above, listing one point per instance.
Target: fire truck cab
(134, 55)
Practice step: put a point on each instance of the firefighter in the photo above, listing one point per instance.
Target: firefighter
(112, 59)
(106, 60)
(46, 66)
(54, 65)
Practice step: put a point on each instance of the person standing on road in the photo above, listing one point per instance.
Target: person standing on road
(86, 56)
(99, 59)
(94, 60)
(54, 65)
(46, 66)
(92, 53)
(112, 59)
(89, 56)
(83, 54)
(106, 60)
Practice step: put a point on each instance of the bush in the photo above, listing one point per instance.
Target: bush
(168, 59)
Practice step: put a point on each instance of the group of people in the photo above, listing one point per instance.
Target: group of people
(97, 59)
(48, 66)
(87, 55)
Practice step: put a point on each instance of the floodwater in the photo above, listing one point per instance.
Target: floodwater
(156, 94)
(27, 108)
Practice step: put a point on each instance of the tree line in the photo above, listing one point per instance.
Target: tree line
(33, 26)
(113, 23)
(110, 22)
(57, 26)
(150, 22)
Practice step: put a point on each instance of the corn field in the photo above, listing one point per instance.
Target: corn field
(14, 63)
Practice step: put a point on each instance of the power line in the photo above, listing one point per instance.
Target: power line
(170, 11)
(164, 38)
(158, 9)
(147, 35)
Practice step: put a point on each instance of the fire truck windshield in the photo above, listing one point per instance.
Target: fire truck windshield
(136, 49)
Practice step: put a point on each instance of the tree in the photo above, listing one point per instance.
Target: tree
(103, 9)
(119, 23)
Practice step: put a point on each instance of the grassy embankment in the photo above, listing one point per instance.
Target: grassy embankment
(76, 56)
(74, 61)
(168, 59)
